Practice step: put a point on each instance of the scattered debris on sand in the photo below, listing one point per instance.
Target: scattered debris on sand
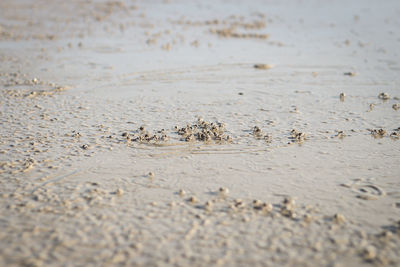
(378, 133)
(204, 131)
(296, 136)
(231, 33)
(141, 135)
(259, 134)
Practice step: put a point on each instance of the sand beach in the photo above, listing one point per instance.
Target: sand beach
(199, 133)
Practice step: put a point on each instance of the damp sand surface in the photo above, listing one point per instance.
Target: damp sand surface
(159, 133)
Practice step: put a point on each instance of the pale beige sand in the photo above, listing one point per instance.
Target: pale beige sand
(81, 185)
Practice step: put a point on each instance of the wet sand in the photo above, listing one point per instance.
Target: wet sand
(158, 133)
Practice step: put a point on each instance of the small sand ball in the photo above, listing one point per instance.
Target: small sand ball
(181, 192)
(342, 96)
(193, 199)
(386, 235)
(208, 206)
(396, 106)
(339, 218)
(307, 218)
(340, 134)
(245, 219)
(151, 174)
(239, 203)
(267, 207)
(371, 106)
(119, 192)
(369, 253)
(288, 213)
(289, 201)
(257, 203)
(223, 191)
